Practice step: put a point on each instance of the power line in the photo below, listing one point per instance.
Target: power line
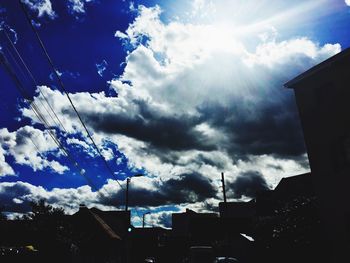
(65, 91)
(31, 103)
(27, 98)
(22, 73)
(68, 96)
(42, 119)
(35, 82)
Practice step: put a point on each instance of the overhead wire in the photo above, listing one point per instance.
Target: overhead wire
(22, 73)
(59, 123)
(27, 98)
(37, 111)
(66, 92)
(40, 116)
(42, 119)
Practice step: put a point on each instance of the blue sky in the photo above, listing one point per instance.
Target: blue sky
(178, 91)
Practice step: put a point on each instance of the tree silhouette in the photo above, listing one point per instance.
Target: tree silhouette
(294, 229)
(43, 211)
(51, 229)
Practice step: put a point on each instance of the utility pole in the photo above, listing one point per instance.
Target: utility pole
(127, 190)
(223, 186)
(127, 194)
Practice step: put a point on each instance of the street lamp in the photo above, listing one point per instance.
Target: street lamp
(127, 190)
(143, 218)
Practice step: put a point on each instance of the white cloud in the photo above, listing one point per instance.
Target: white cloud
(16, 196)
(347, 2)
(101, 67)
(273, 169)
(272, 54)
(30, 146)
(158, 219)
(107, 153)
(83, 145)
(5, 168)
(78, 6)
(182, 64)
(174, 71)
(203, 8)
(43, 7)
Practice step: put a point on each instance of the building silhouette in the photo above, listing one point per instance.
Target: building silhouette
(322, 96)
(101, 236)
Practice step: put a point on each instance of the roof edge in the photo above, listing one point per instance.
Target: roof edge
(317, 68)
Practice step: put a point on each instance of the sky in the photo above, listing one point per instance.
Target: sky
(175, 91)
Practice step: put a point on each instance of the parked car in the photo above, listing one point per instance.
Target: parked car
(150, 260)
(225, 260)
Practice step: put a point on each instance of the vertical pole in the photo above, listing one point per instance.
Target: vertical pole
(127, 194)
(143, 220)
(223, 186)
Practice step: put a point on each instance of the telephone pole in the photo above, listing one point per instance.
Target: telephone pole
(127, 190)
(127, 194)
(223, 186)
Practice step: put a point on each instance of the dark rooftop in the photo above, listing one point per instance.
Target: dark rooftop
(295, 185)
(319, 67)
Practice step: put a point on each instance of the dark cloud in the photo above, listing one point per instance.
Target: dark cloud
(267, 124)
(220, 164)
(164, 132)
(270, 128)
(187, 188)
(248, 184)
(8, 194)
(165, 219)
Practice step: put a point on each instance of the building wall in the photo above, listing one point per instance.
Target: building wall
(323, 100)
(237, 209)
(180, 224)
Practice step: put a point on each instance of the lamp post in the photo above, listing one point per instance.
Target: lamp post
(143, 219)
(127, 190)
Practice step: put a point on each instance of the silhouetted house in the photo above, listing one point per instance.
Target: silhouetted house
(207, 229)
(99, 234)
(322, 96)
(289, 188)
(148, 242)
(193, 228)
(237, 209)
(237, 216)
(265, 203)
(182, 222)
(294, 186)
(118, 221)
